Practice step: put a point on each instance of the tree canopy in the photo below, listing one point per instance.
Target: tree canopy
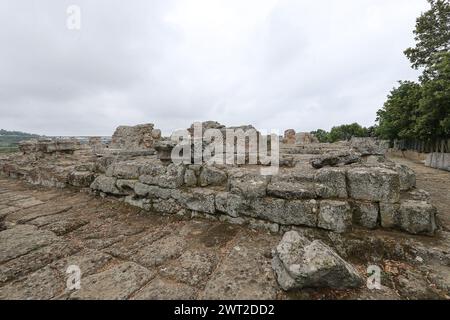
(422, 110)
(343, 132)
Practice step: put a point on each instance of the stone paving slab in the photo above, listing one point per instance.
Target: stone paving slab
(125, 253)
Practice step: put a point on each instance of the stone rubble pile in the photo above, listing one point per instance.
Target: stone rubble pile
(333, 187)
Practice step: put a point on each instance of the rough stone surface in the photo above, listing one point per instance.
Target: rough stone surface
(335, 216)
(407, 177)
(366, 214)
(116, 283)
(373, 184)
(210, 176)
(140, 137)
(300, 263)
(291, 191)
(106, 185)
(335, 159)
(332, 183)
(369, 146)
(169, 257)
(417, 217)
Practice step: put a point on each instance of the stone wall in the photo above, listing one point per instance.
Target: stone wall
(330, 198)
(327, 186)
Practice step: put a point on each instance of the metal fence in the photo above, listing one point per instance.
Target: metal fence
(441, 145)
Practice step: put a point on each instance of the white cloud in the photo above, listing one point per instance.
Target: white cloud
(272, 63)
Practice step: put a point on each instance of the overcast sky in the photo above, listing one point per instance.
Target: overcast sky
(276, 64)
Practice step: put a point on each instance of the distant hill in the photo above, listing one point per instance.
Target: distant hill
(17, 133)
(9, 140)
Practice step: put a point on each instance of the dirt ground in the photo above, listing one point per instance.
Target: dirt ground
(125, 253)
(437, 183)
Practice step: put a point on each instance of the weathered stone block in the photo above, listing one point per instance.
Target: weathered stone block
(365, 214)
(124, 170)
(81, 179)
(106, 184)
(335, 216)
(291, 190)
(335, 159)
(407, 177)
(126, 186)
(248, 185)
(211, 176)
(231, 204)
(169, 206)
(170, 177)
(389, 214)
(300, 263)
(373, 184)
(417, 217)
(294, 212)
(197, 199)
(133, 137)
(332, 183)
(190, 179)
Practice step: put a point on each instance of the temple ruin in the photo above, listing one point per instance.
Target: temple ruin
(334, 187)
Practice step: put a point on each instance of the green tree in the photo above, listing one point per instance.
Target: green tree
(434, 106)
(397, 119)
(321, 135)
(432, 35)
(347, 131)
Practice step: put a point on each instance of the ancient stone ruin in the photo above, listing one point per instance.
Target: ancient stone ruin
(336, 187)
(328, 186)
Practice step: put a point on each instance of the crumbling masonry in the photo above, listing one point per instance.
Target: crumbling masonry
(334, 187)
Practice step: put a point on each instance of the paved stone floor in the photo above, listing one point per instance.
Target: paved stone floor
(124, 253)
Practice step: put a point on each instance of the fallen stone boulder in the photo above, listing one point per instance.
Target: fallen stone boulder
(291, 190)
(369, 146)
(106, 185)
(300, 263)
(140, 137)
(333, 159)
(81, 179)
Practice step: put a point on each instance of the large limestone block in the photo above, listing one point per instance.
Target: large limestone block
(81, 179)
(138, 137)
(389, 214)
(171, 176)
(335, 216)
(407, 177)
(106, 185)
(291, 190)
(211, 176)
(197, 199)
(232, 204)
(124, 170)
(152, 192)
(300, 263)
(417, 217)
(335, 159)
(373, 184)
(294, 212)
(369, 146)
(332, 183)
(249, 185)
(366, 214)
